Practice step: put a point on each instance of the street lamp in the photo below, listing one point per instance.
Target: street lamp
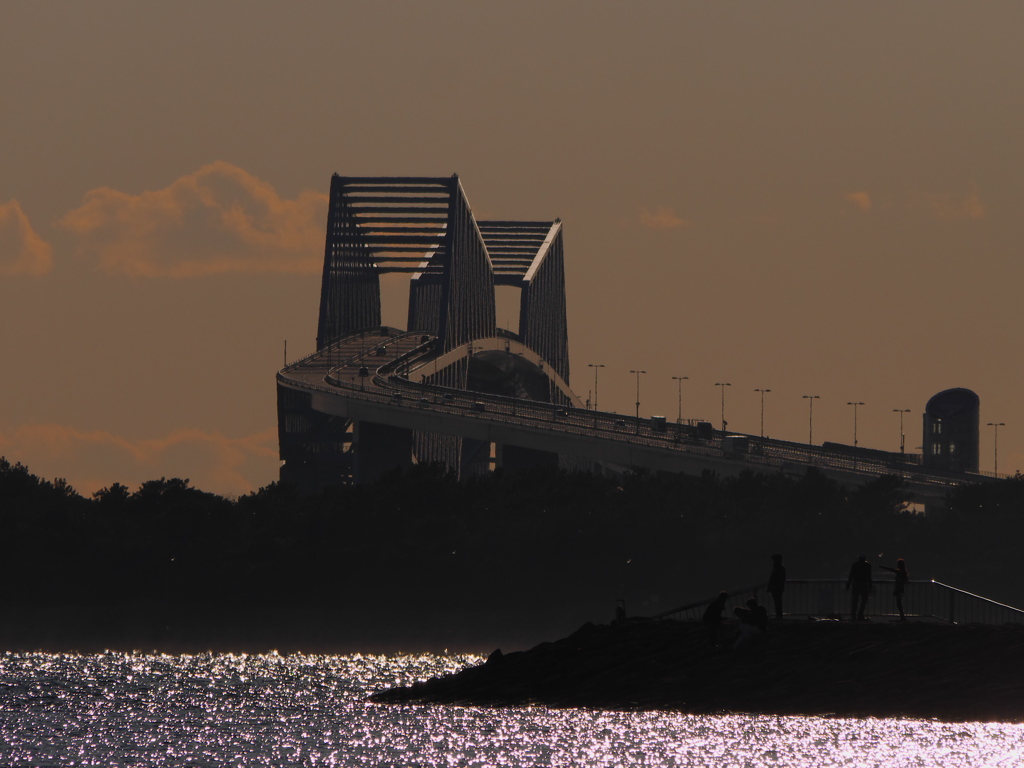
(762, 391)
(810, 418)
(995, 446)
(638, 399)
(595, 366)
(855, 422)
(680, 379)
(901, 411)
(723, 385)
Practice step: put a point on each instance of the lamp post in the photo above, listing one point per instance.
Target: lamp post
(680, 379)
(903, 441)
(995, 445)
(723, 385)
(595, 366)
(638, 399)
(855, 422)
(762, 391)
(810, 418)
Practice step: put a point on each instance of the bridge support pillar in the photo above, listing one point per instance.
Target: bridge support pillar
(513, 457)
(476, 458)
(380, 449)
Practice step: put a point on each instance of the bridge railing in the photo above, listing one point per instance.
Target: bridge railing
(829, 599)
(369, 338)
(761, 454)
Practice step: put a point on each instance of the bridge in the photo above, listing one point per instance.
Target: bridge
(456, 389)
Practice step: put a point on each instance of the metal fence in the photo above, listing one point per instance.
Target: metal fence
(829, 599)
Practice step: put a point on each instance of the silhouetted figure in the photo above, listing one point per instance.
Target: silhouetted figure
(713, 617)
(859, 581)
(777, 584)
(753, 621)
(900, 585)
(620, 611)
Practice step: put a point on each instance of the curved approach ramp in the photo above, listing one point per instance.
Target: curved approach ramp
(375, 385)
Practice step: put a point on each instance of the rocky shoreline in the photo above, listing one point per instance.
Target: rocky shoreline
(956, 673)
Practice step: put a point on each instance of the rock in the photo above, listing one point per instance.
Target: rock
(955, 673)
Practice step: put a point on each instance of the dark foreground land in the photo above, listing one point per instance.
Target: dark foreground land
(919, 670)
(422, 562)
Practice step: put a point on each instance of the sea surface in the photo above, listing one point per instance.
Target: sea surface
(119, 709)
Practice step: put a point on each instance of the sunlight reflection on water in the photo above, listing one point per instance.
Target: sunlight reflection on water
(270, 710)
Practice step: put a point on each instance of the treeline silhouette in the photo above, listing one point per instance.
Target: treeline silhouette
(543, 542)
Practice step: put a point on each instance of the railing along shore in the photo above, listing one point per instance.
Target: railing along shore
(829, 599)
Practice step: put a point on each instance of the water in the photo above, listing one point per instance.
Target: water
(227, 710)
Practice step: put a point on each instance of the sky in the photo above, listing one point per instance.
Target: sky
(812, 198)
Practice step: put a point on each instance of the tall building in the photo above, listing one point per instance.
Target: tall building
(952, 430)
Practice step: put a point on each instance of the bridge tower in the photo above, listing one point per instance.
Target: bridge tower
(424, 227)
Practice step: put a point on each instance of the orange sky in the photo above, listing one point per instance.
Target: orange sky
(810, 197)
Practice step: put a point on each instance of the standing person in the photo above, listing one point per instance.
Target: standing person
(860, 580)
(900, 584)
(777, 584)
(713, 617)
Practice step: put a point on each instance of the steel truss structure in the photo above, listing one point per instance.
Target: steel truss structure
(424, 226)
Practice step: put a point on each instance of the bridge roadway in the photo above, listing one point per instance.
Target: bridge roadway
(376, 376)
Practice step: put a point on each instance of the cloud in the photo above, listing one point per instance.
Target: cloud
(93, 460)
(861, 199)
(217, 220)
(661, 218)
(949, 208)
(22, 251)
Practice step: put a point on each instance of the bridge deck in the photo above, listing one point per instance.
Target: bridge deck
(366, 376)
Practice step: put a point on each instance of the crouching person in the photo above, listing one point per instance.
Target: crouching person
(753, 621)
(713, 617)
